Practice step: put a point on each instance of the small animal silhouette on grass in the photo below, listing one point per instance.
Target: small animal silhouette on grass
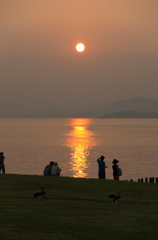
(40, 193)
(114, 196)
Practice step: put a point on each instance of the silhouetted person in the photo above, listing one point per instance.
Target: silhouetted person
(55, 170)
(48, 169)
(2, 166)
(101, 165)
(115, 169)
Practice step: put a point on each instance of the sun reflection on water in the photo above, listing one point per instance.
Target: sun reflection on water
(80, 140)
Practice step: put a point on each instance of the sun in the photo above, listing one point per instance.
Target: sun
(80, 47)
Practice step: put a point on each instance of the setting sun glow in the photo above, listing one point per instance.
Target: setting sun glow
(80, 47)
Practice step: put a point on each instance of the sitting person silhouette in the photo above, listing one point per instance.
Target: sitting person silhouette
(55, 170)
(48, 169)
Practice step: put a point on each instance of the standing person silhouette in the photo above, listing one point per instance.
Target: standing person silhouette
(2, 166)
(101, 165)
(115, 169)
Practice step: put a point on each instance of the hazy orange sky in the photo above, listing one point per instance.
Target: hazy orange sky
(40, 66)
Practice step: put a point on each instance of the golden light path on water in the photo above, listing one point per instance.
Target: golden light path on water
(80, 141)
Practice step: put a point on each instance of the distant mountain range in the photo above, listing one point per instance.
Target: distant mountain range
(132, 114)
(136, 107)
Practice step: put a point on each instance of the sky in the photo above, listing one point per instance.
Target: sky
(40, 67)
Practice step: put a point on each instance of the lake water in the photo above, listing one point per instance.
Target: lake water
(30, 144)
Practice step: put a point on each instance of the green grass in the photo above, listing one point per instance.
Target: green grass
(76, 209)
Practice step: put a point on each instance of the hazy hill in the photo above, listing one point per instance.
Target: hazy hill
(132, 114)
(137, 104)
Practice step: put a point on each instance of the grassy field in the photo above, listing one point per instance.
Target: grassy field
(76, 209)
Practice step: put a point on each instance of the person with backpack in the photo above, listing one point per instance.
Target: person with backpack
(2, 166)
(117, 172)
